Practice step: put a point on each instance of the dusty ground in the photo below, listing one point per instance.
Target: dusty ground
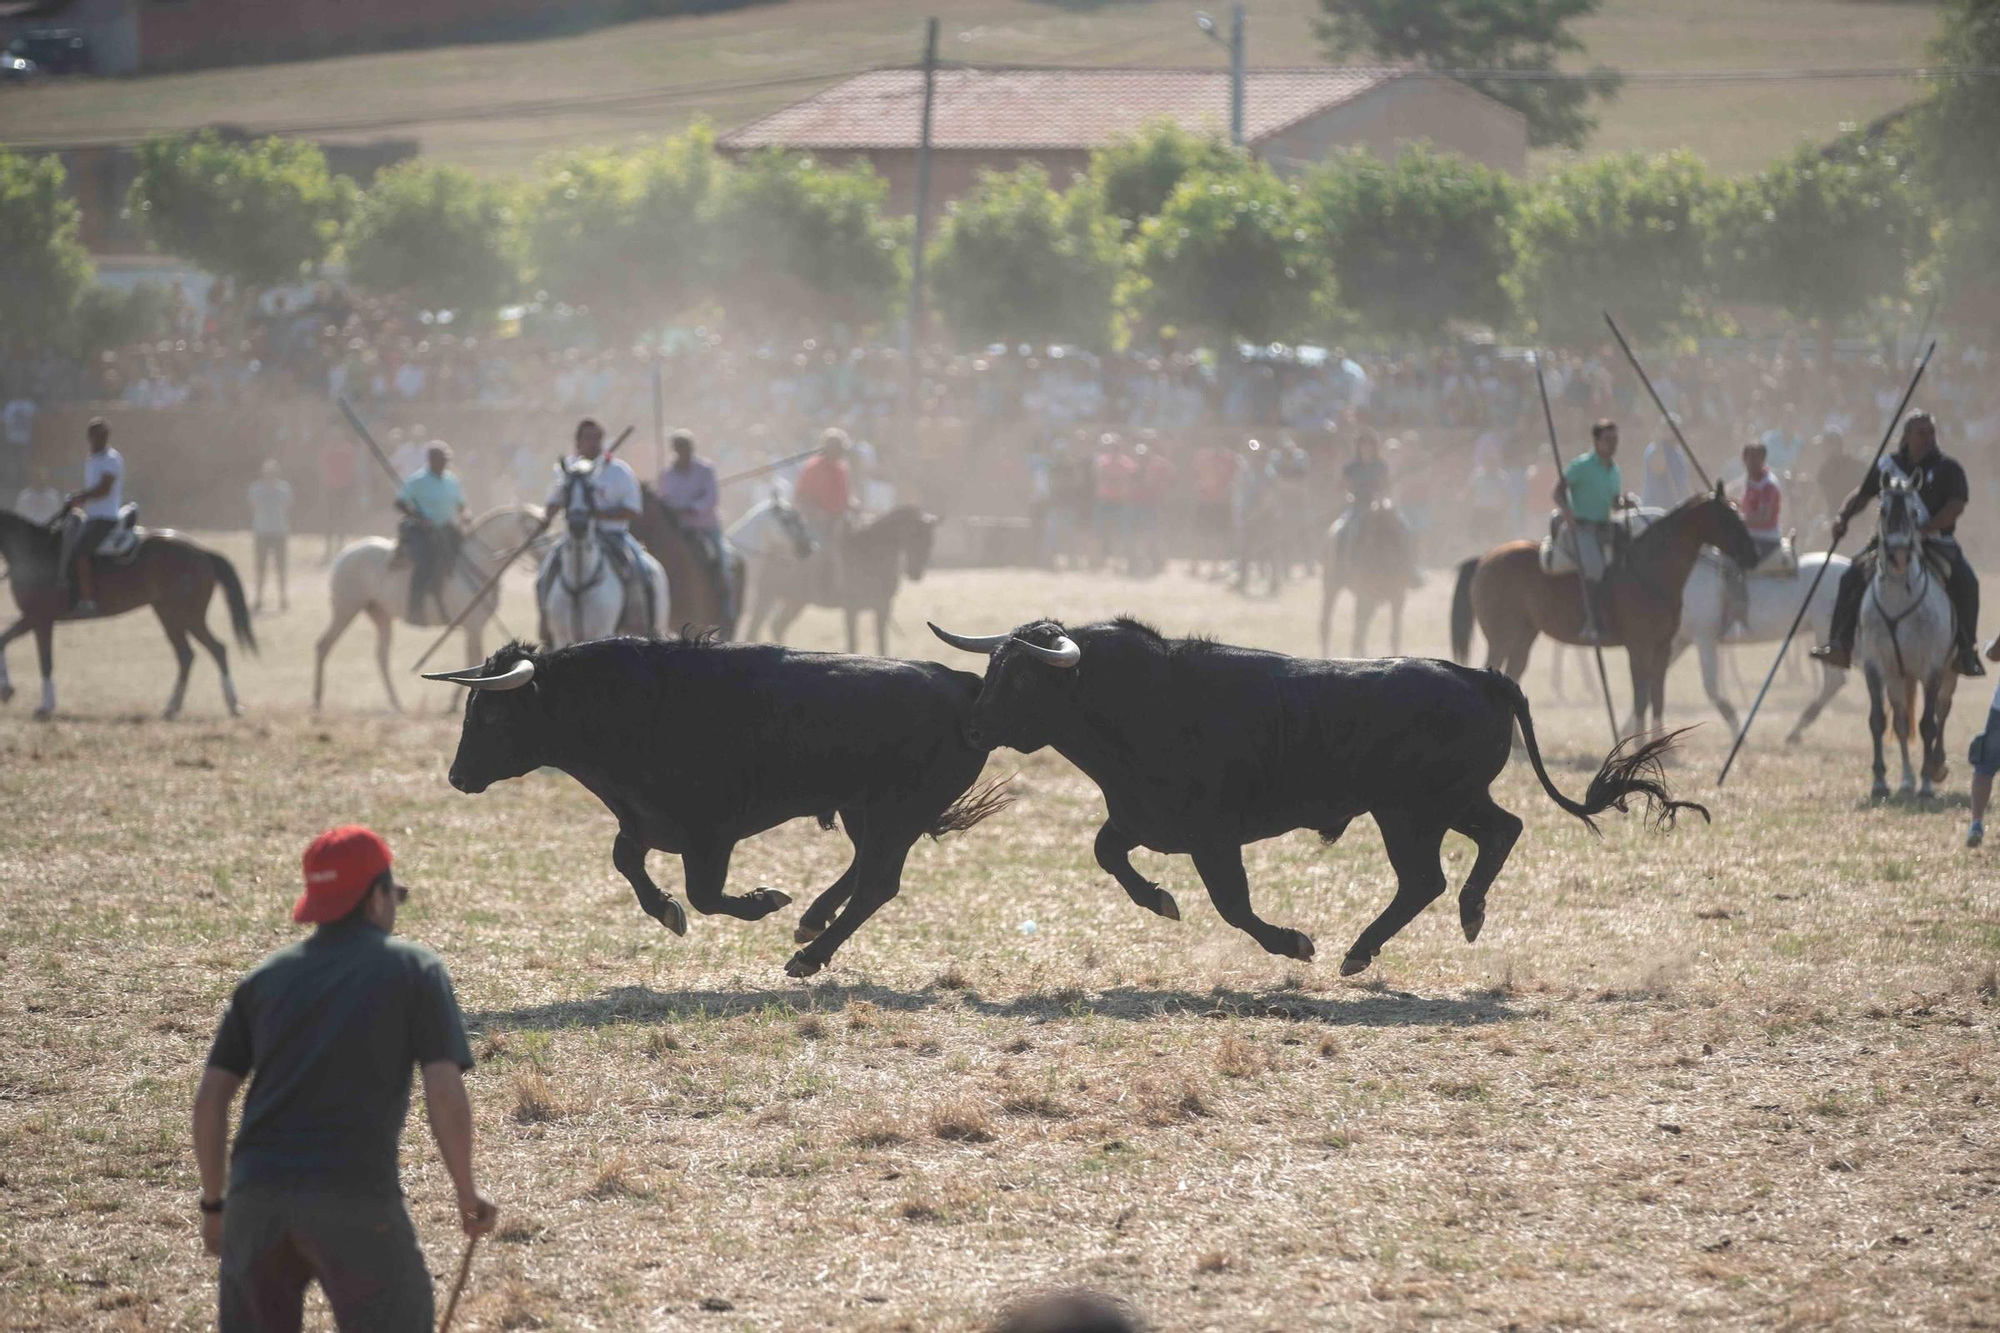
(1737, 1075)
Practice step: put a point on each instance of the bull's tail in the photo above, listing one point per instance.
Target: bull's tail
(977, 805)
(1630, 770)
(1461, 610)
(239, 606)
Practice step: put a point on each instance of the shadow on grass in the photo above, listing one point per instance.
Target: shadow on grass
(1354, 1008)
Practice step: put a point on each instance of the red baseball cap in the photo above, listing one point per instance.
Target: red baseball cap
(340, 865)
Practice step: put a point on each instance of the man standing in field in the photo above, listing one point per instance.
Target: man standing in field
(332, 1028)
(271, 528)
(1985, 759)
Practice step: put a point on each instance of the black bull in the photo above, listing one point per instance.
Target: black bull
(695, 746)
(1200, 747)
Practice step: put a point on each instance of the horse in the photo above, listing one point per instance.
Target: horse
(167, 572)
(362, 579)
(695, 605)
(1904, 639)
(1514, 601)
(579, 593)
(874, 559)
(1378, 567)
(1772, 604)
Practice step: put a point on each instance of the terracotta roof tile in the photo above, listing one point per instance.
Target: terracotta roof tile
(1078, 108)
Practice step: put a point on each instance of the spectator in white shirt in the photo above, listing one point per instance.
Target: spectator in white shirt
(38, 501)
(270, 528)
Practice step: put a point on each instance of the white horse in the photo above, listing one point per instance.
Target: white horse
(362, 580)
(1904, 638)
(580, 595)
(1773, 602)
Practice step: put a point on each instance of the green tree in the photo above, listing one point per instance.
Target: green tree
(1624, 233)
(44, 268)
(1228, 257)
(1017, 262)
(800, 245)
(436, 236)
(1821, 235)
(259, 213)
(628, 235)
(1498, 35)
(1136, 176)
(1953, 131)
(106, 317)
(1414, 242)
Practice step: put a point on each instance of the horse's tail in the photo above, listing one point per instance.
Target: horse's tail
(239, 606)
(1461, 610)
(1629, 770)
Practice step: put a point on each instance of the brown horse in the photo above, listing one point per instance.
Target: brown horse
(874, 561)
(1514, 601)
(168, 573)
(1378, 567)
(696, 605)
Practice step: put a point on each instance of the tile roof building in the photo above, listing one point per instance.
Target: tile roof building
(999, 117)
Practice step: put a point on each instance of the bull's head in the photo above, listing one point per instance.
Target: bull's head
(501, 736)
(1029, 678)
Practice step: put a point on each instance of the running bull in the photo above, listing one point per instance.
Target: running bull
(1200, 747)
(695, 746)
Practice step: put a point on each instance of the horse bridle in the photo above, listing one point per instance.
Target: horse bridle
(1901, 499)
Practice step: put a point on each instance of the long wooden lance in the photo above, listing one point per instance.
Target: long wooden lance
(1887, 432)
(1672, 424)
(1597, 645)
(764, 469)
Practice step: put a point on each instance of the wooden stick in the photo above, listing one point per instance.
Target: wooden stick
(458, 1287)
(1672, 425)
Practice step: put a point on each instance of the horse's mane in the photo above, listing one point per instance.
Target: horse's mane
(1685, 507)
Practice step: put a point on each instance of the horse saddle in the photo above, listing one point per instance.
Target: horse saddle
(1781, 563)
(1559, 556)
(121, 545)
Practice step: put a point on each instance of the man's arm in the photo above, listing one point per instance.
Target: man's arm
(211, 1144)
(1945, 517)
(451, 1124)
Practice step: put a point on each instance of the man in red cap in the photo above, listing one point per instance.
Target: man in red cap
(332, 1028)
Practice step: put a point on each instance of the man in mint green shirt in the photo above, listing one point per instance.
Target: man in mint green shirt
(433, 506)
(1589, 490)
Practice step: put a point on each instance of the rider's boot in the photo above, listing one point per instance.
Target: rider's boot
(1968, 663)
(1838, 651)
(1593, 612)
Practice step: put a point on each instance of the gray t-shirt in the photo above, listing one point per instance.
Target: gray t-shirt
(270, 507)
(333, 1029)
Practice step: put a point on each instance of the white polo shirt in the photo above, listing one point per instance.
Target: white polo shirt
(96, 468)
(616, 486)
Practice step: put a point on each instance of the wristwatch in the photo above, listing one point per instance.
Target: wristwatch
(210, 1205)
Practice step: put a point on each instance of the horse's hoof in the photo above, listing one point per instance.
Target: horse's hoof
(44, 714)
(1793, 739)
(6, 694)
(1354, 964)
(801, 967)
(806, 933)
(1879, 792)
(674, 917)
(1167, 907)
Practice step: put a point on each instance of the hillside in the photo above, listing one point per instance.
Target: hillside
(489, 107)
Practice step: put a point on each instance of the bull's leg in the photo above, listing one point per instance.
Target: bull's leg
(629, 855)
(1114, 853)
(1221, 870)
(878, 868)
(707, 869)
(1494, 830)
(819, 915)
(1878, 721)
(183, 659)
(1414, 843)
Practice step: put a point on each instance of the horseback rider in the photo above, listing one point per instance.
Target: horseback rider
(824, 497)
(1941, 484)
(1589, 489)
(1366, 477)
(432, 503)
(1759, 505)
(688, 489)
(612, 491)
(90, 514)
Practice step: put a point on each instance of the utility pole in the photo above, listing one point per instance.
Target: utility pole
(916, 324)
(1236, 44)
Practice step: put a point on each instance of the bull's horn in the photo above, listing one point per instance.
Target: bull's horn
(989, 645)
(513, 678)
(1064, 654)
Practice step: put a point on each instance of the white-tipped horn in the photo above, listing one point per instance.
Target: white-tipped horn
(1064, 654)
(513, 678)
(989, 644)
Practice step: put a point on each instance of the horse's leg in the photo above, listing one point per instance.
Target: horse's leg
(850, 618)
(1329, 593)
(384, 622)
(45, 657)
(1364, 611)
(1707, 653)
(342, 617)
(1878, 721)
(177, 636)
(1928, 729)
(12, 632)
(1661, 660)
(206, 638)
(1640, 663)
(1396, 625)
(882, 631)
(1904, 704)
(1831, 679)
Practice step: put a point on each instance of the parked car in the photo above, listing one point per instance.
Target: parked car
(54, 50)
(17, 69)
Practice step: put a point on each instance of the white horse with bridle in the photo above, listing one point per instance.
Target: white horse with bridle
(363, 580)
(1772, 601)
(580, 594)
(1904, 639)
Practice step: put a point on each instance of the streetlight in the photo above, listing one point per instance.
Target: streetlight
(1206, 23)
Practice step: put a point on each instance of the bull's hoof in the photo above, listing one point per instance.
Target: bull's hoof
(1472, 916)
(1167, 907)
(673, 916)
(1299, 946)
(1355, 963)
(802, 967)
(770, 900)
(807, 932)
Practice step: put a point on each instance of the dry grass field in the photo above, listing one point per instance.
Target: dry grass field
(1738, 1076)
(736, 65)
